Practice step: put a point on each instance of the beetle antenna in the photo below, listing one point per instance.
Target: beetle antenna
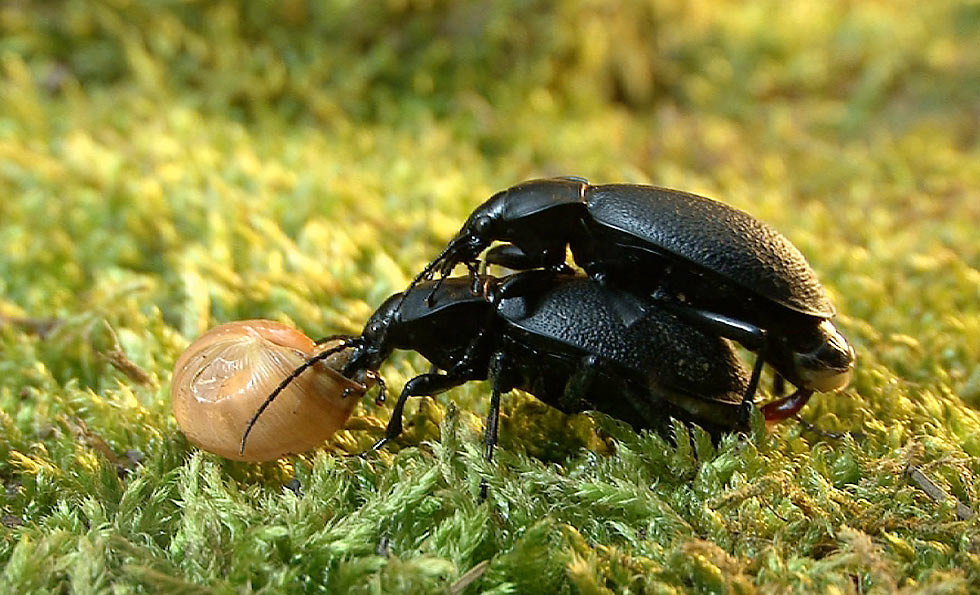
(329, 338)
(439, 261)
(285, 382)
(426, 273)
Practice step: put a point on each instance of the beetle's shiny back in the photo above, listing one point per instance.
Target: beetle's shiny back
(712, 236)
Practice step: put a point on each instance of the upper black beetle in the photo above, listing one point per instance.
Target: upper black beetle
(572, 343)
(714, 265)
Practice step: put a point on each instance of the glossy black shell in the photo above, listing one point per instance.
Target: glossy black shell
(583, 316)
(710, 235)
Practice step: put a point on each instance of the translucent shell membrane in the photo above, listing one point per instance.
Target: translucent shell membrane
(224, 376)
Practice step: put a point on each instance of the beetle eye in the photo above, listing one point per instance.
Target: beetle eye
(480, 225)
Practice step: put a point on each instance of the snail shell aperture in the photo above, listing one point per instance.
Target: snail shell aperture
(224, 376)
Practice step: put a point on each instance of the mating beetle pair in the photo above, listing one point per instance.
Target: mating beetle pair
(673, 276)
(715, 266)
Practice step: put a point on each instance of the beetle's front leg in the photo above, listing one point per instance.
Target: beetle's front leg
(424, 385)
(513, 257)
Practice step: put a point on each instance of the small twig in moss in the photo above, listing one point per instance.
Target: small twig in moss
(130, 369)
(86, 437)
(938, 494)
(469, 577)
(120, 361)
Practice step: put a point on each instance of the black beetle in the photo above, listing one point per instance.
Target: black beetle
(569, 341)
(712, 264)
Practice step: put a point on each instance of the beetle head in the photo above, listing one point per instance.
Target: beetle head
(373, 346)
(821, 360)
(481, 228)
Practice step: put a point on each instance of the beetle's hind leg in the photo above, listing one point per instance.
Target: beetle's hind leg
(749, 335)
(778, 385)
(748, 400)
(493, 415)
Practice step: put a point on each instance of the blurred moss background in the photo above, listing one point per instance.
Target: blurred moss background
(166, 166)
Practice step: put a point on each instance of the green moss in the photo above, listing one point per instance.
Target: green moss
(165, 167)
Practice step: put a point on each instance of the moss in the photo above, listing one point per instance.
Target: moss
(165, 167)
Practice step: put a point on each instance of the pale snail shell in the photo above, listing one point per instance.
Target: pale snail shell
(224, 376)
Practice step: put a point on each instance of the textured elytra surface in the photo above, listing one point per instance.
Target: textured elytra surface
(582, 315)
(716, 237)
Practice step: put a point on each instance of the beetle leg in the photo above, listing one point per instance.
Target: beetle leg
(752, 337)
(513, 257)
(443, 263)
(778, 385)
(424, 385)
(748, 401)
(444, 271)
(749, 335)
(382, 387)
(476, 281)
(493, 415)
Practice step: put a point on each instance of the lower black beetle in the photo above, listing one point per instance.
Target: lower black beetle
(563, 339)
(713, 265)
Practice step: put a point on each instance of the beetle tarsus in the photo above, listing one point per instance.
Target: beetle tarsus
(375, 447)
(382, 388)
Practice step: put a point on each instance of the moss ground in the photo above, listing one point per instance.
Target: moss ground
(167, 166)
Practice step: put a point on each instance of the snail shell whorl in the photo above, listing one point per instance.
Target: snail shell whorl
(223, 377)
